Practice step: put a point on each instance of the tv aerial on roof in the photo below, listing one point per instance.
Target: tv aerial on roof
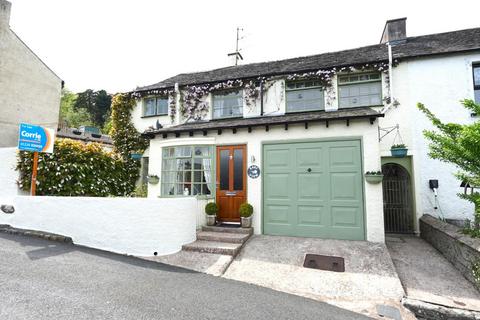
(237, 54)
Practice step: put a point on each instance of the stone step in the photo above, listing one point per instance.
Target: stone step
(227, 229)
(218, 247)
(223, 236)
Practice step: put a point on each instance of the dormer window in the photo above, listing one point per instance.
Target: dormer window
(227, 104)
(360, 90)
(155, 106)
(304, 96)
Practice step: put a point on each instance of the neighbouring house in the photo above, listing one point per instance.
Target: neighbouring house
(295, 137)
(85, 135)
(30, 91)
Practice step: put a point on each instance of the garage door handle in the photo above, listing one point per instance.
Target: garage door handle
(309, 170)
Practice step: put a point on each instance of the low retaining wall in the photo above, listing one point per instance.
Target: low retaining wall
(135, 226)
(461, 250)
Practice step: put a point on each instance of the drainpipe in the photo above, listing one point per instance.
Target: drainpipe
(261, 98)
(390, 76)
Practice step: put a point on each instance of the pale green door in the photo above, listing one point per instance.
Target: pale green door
(313, 189)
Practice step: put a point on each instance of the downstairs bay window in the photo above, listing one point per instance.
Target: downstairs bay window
(187, 171)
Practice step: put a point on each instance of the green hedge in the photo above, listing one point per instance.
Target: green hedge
(76, 169)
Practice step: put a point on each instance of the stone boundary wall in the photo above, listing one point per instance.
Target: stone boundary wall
(133, 226)
(461, 250)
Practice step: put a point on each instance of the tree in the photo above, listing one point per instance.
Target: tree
(96, 103)
(74, 118)
(460, 145)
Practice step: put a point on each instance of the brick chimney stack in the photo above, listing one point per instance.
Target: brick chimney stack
(5, 8)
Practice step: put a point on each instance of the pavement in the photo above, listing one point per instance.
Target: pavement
(369, 280)
(427, 276)
(41, 279)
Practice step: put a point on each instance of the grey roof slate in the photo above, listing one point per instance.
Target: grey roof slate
(292, 118)
(440, 43)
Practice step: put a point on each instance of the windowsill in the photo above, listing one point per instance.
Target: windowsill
(303, 111)
(372, 106)
(227, 118)
(199, 197)
(155, 115)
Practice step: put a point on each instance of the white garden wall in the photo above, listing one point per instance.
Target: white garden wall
(8, 175)
(133, 226)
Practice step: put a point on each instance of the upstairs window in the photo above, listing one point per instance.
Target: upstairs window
(155, 106)
(359, 90)
(476, 82)
(304, 96)
(187, 171)
(227, 104)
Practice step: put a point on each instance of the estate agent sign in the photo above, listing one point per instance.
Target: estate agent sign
(35, 139)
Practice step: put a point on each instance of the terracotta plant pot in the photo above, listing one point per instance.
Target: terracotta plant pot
(246, 222)
(211, 220)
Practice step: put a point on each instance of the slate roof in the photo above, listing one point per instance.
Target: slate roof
(434, 44)
(292, 118)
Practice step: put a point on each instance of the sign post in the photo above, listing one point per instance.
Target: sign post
(35, 139)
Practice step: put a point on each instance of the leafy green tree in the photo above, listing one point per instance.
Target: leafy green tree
(74, 118)
(96, 103)
(460, 145)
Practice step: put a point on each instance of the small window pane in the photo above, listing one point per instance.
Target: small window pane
(224, 165)
(476, 75)
(162, 106)
(227, 105)
(360, 95)
(477, 96)
(149, 107)
(238, 169)
(202, 151)
(183, 151)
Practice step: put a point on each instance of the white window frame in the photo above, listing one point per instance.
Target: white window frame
(156, 113)
(223, 93)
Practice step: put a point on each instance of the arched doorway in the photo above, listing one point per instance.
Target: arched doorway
(397, 199)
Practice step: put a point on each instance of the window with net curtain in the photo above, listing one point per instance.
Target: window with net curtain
(187, 171)
(304, 96)
(359, 90)
(155, 106)
(227, 104)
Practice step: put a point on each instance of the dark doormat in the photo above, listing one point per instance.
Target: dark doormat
(328, 263)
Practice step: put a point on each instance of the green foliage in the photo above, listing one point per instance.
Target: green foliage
(126, 139)
(141, 191)
(398, 146)
(476, 271)
(245, 210)
(74, 118)
(460, 145)
(75, 169)
(96, 104)
(211, 208)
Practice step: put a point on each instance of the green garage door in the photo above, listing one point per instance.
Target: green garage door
(313, 189)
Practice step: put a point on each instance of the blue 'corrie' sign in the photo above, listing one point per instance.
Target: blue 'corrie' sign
(35, 138)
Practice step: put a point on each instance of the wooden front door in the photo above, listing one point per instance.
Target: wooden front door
(231, 181)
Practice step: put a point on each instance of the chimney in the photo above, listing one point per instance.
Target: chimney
(395, 31)
(5, 7)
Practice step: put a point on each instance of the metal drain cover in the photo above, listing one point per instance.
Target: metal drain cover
(329, 263)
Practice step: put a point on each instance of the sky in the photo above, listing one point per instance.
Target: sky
(118, 45)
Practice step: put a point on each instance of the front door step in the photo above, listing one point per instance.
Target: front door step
(228, 229)
(222, 236)
(217, 247)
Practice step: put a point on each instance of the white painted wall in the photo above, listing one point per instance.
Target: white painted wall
(132, 226)
(439, 83)
(29, 90)
(357, 129)
(8, 175)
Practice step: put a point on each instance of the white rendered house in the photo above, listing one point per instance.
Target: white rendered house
(295, 137)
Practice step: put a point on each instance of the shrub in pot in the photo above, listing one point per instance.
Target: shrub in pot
(211, 210)
(246, 211)
(374, 177)
(399, 150)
